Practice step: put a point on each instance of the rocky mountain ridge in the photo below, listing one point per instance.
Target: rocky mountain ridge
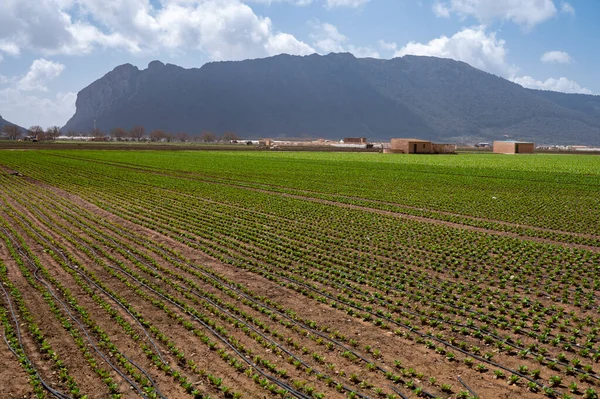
(336, 96)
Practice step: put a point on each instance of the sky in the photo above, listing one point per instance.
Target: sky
(51, 49)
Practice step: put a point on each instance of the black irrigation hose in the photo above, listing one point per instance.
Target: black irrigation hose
(83, 329)
(443, 343)
(400, 324)
(285, 386)
(571, 290)
(422, 335)
(393, 388)
(441, 320)
(218, 336)
(68, 263)
(227, 312)
(468, 388)
(48, 388)
(461, 325)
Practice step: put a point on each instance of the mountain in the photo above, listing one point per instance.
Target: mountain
(5, 122)
(336, 96)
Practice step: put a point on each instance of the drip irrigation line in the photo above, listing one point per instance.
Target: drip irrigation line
(69, 264)
(393, 388)
(218, 336)
(47, 387)
(467, 387)
(224, 340)
(221, 308)
(83, 328)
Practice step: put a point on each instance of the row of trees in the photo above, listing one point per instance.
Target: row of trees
(13, 132)
(136, 133)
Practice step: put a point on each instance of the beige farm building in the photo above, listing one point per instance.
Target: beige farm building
(411, 146)
(417, 146)
(355, 140)
(513, 147)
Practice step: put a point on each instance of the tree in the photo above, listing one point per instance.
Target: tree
(229, 136)
(98, 134)
(52, 132)
(157, 135)
(37, 132)
(72, 133)
(137, 132)
(182, 136)
(12, 132)
(208, 137)
(118, 133)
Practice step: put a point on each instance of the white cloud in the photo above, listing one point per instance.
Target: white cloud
(286, 43)
(223, 29)
(346, 3)
(328, 39)
(567, 8)
(387, 46)
(474, 46)
(40, 72)
(561, 84)
(327, 3)
(441, 10)
(522, 12)
(18, 108)
(294, 2)
(559, 57)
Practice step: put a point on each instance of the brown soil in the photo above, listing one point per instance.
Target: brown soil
(392, 346)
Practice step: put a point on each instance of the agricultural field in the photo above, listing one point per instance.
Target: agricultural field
(161, 274)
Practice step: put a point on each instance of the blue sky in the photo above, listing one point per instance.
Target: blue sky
(51, 49)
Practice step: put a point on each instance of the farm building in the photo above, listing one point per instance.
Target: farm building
(417, 146)
(411, 146)
(355, 140)
(513, 147)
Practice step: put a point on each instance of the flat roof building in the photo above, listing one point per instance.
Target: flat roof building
(355, 140)
(513, 147)
(411, 146)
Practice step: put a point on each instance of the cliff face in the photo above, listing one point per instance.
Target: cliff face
(104, 95)
(335, 96)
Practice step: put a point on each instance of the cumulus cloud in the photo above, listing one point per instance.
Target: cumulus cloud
(19, 105)
(286, 43)
(345, 3)
(561, 84)
(327, 3)
(55, 110)
(522, 12)
(294, 2)
(474, 46)
(222, 29)
(567, 8)
(389, 46)
(40, 72)
(441, 10)
(328, 39)
(485, 51)
(558, 57)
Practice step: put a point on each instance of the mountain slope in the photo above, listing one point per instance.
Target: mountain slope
(336, 96)
(5, 122)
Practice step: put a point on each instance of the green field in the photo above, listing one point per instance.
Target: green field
(305, 274)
